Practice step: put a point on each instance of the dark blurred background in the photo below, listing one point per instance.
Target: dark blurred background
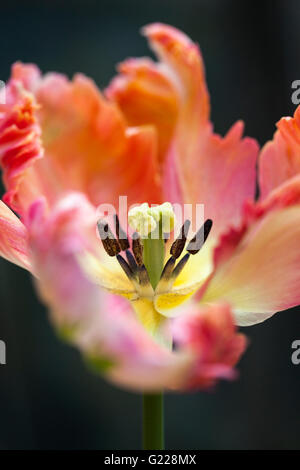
(48, 399)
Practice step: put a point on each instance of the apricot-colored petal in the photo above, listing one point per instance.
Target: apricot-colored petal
(146, 97)
(258, 265)
(13, 238)
(226, 176)
(214, 171)
(280, 158)
(183, 58)
(88, 145)
(140, 179)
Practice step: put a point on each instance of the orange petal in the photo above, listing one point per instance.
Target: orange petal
(88, 146)
(183, 58)
(146, 96)
(257, 267)
(13, 238)
(280, 158)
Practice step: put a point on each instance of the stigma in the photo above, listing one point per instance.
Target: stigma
(145, 220)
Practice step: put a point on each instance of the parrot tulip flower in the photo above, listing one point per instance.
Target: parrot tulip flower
(151, 315)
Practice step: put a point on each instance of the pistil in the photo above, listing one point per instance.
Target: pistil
(152, 223)
(154, 256)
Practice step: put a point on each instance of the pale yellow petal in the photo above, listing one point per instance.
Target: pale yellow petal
(108, 274)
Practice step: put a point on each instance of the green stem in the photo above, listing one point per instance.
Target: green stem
(153, 416)
(153, 422)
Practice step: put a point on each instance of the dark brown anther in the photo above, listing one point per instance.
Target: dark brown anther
(181, 264)
(168, 269)
(131, 261)
(137, 249)
(125, 266)
(179, 244)
(122, 237)
(199, 239)
(110, 244)
(143, 276)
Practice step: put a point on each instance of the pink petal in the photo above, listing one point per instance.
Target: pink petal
(279, 159)
(13, 238)
(20, 143)
(209, 333)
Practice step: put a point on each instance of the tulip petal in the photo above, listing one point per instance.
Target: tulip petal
(184, 60)
(87, 143)
(280, 158)
(13, 238)
(107, 273)
(214, 171)
(257, 265)
(20, 144)
(146, 96)
(208, 347)
(212, 337)
(48, 229)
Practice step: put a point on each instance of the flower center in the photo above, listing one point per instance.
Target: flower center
(153, 224)
(144, 261)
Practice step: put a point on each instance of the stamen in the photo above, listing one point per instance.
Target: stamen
(125, 266)
(169, 274)
(168, 269)
(199, 239)
(131, 261)
(129, 272)
(178, 245)
(143, 276)
(137, 249)
(181, 264)
(110, 244)
(122, 237)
